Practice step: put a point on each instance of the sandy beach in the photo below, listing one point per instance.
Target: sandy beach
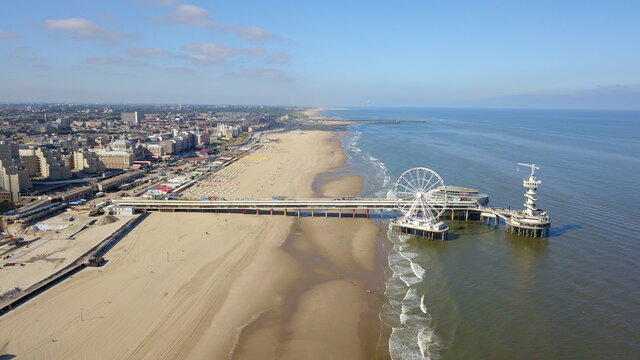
(52, 250)
(218, 286)
(315, 115)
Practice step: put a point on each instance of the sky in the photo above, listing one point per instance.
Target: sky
(426, 53)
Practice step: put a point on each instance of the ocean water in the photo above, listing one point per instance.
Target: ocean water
(486, 294)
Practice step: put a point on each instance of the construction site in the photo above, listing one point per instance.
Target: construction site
(34, 255)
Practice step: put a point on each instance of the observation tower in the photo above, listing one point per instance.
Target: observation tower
(531, 184)
(531, 221)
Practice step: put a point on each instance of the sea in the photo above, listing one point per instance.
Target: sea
(487, 294)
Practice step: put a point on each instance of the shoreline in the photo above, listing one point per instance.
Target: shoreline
(314, 116)
(316, 112)
(284, 273)
(324, 281)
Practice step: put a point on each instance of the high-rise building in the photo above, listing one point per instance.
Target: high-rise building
(52, 165)
(48, 163)
(88, 162)
(13, 175)
(67, 159)
(227, 131)
(30, 161)
(134, 118)
(10, 179)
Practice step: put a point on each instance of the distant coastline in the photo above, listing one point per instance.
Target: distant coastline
(315, 115)
(316, 112)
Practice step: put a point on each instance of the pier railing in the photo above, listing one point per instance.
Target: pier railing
(297, 203)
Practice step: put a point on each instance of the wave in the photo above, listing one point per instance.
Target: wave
(407, 253)
(351, 142)
(405, 312)
(379, 178)
(428, 343)
(402, 268)
(402, 344)
(412, 336)
(418, 270)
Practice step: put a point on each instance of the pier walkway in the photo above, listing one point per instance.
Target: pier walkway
(424, 199)
(338, 207)
(291, 205)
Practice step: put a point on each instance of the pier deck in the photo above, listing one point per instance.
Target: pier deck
(342, 207)
(268, 204)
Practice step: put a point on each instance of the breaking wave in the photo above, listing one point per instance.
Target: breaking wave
(412, 336)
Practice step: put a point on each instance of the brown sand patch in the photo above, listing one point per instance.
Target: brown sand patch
(347, 185)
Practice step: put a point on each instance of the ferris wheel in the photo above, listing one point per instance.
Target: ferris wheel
(421, 195)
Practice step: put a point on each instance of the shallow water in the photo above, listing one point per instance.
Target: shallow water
(488, 294)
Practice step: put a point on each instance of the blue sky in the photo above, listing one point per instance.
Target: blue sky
(554, 54)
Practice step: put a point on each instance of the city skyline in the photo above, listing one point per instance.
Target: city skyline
(462, 54)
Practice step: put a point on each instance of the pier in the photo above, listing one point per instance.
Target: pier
(421, 201)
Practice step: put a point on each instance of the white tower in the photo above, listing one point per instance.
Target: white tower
(531, 184)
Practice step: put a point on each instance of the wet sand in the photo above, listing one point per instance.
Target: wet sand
(201, 285)
(347, 185)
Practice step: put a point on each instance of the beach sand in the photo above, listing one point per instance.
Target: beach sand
(347, 185)
(218, 286)
(315, 115)
(52, 250)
